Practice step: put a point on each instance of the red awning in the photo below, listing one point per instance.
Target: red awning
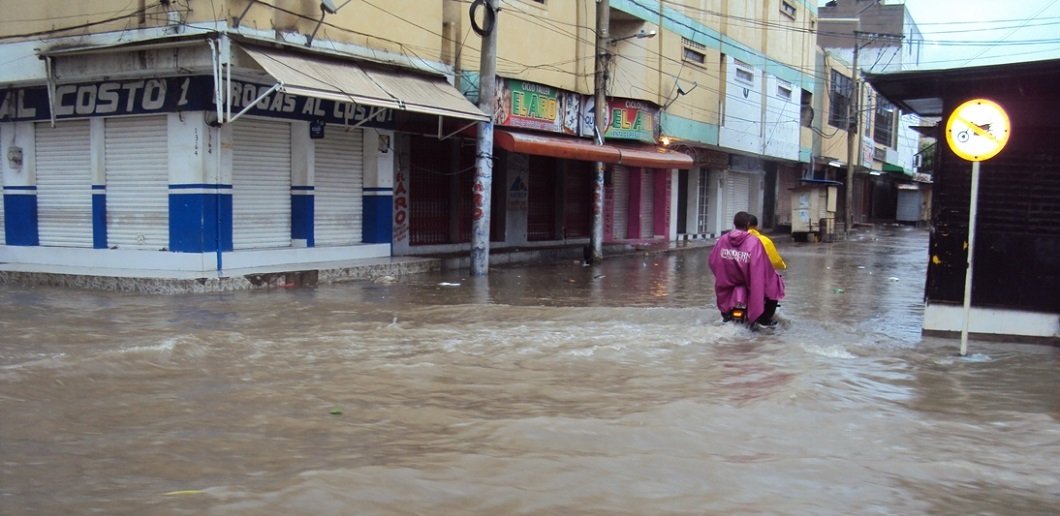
(647, 156)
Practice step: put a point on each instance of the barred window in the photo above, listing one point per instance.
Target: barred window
(839, 96)
(884, 126)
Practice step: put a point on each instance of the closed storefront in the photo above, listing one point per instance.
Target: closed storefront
(64, 183)
(137, 172)
(3, 228)
(338, 188)
(646, 228)
(737, 196)
(620, 191)
(541, 223)
(431, 192)
(577, 200)
(261, 184)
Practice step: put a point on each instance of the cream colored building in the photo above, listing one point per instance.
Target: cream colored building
(201, 135)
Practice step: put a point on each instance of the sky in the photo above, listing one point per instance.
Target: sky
(962, 33)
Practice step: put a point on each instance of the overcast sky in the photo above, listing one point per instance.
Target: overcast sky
(961, 33)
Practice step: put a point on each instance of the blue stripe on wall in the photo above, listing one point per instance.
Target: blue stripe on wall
(377, 211)
(302, 218)
(20, 219)
(99, 220)
(200, 222)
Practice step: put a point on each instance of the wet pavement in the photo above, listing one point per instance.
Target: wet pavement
(612, 389)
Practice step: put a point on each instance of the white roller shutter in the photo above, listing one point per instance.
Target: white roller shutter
(3, 228)
(339, 182)
(738, 196)
(137, 167)
(647, 204)
(620, 186)
(261, 184)
(64, 183)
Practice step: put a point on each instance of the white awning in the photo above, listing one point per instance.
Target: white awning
(347, 81)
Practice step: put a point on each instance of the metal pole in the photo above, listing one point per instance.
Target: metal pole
(603, 22)
(853, 140)
(973, 207)
(487, 94)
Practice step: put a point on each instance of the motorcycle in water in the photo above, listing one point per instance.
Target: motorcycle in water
(738, 313)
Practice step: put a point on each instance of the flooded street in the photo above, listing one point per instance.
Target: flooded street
(555, 389)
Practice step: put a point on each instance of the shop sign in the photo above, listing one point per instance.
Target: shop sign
(536, 106)
(868, 152)
(107, 98)
(626, 120)
(172, 94)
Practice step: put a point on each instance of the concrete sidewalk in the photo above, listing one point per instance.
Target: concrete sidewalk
(307, 275)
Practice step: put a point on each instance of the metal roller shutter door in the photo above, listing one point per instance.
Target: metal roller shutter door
(64, 184)
(620, 183)
(339, 184)
(738, 196)
(137, 167)
(3, 230)
(261, 184)
(647, 204)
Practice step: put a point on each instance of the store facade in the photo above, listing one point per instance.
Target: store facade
(205, 154)
(543, 172)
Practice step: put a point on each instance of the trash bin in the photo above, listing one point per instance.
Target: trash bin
(813, 207)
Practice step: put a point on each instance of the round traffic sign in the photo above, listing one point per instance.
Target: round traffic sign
(977, 130)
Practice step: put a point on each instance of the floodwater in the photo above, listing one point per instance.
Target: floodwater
(549, 389)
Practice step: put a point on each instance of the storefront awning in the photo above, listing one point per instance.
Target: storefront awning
(346, 81)
(571, 148)
(895, 169)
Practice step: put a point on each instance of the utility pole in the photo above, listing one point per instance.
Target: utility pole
(603, 22)
(487, 98)
(853, 140)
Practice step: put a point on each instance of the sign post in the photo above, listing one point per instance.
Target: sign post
(976, 131)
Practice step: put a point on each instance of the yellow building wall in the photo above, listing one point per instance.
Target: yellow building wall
(795, 46)
(740, 22)
(551, 44)
(833, 139)
(701, 102)
(413, 28)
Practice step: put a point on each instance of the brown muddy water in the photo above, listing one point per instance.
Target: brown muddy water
(555, 389)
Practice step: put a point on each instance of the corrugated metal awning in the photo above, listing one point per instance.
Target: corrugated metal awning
(647, 156)
(346, 81)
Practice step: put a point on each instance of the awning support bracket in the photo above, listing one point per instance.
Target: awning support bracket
(251, 105)
(450, 135)
(51, 88)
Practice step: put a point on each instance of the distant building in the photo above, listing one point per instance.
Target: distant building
(879, 38)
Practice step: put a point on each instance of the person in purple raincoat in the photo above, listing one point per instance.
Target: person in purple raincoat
(739, 259)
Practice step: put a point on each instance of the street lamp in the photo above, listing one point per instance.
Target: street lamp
(643, 34)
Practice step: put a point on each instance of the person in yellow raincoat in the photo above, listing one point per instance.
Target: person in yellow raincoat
(771, 250)
(778, 264)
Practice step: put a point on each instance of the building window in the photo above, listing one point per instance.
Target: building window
(784, 90)
(694, 56)
(694, 52)
(788, 9)
(744, 72)
(806, 109)
(883, 131)
(839, 96)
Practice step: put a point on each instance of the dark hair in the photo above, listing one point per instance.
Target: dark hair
(741, 220)
(752, 221)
